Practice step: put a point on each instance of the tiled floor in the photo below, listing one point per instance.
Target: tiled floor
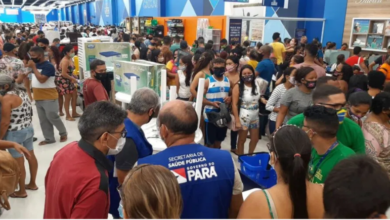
(32, 207)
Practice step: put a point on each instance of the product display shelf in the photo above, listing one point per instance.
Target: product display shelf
(371, 34)
(176, 27)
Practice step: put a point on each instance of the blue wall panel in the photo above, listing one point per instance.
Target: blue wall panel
(21, 17)
(27, 16)
(51, 16)
(334, 14)
(312, 9)
(81, 17)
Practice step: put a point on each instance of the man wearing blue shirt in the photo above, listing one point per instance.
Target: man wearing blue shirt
(210, 183)
(266, 68)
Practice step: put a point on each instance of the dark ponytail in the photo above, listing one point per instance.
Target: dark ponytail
(204, 60)
(292, 147)
(187, 60)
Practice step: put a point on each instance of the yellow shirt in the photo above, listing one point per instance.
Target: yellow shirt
(253, 63)
(279, 49)
(385, 69)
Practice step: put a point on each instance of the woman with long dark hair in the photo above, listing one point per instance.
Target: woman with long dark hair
(66, 82)
(232, 73)
(343, 73)
(293, 196)
(245, 107)
(297, 99)
(183, 78)
(55, 59)
(201, 70)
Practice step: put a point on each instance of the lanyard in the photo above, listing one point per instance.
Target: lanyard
(321, 160)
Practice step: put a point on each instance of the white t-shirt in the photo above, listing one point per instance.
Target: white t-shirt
(184, 90)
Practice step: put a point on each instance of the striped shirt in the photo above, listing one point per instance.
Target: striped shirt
(217, 91)
(274, 101)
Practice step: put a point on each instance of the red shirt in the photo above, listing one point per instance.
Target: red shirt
(77, 183)
(94, 91)
(35, 38)
(353, 60)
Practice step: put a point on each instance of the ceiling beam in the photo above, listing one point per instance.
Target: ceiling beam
(34, 2)
(2, 2)
(24, 2)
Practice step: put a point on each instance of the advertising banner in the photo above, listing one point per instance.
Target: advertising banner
(361, 26)
(108, 52)
(235, 30)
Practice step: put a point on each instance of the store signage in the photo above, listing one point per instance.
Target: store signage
(369, 1)
(276, 3)
(235, 30)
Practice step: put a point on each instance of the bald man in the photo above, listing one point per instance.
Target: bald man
(210, 183)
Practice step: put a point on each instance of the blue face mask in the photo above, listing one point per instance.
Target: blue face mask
(120, 210)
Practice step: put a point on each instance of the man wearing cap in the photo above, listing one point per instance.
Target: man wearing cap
(11, 65)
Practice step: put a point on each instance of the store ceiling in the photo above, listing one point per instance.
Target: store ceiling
(38, 3)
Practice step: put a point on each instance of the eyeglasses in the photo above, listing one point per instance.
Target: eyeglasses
(336, 107)
(123, 133)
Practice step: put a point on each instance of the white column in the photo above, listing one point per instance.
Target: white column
(199, 99)
(163, 86)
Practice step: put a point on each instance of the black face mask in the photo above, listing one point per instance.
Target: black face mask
(100, 76)
(219, 71)
(3, 92)
(36, 60)
(43, 48)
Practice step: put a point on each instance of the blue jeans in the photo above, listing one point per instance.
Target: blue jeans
(23, 137)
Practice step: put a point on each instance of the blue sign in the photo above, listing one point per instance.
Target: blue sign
(235, 31)
(274, 3)
(243, 1)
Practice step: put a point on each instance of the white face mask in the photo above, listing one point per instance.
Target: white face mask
(119, 147)
(161, 59)
(292, 80)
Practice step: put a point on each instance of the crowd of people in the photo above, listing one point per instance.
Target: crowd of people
(328, 128)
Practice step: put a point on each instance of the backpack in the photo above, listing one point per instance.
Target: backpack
(222, 118)
(9, 176)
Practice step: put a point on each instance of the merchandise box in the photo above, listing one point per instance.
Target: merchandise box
(156, 75)
(124, 70)
(108, 52)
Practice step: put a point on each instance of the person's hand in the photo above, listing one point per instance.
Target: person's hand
(215, 104)
(263, 100)
(73, 80)
(30, 64)
(238, 124)
(227, 100)
(22, 150)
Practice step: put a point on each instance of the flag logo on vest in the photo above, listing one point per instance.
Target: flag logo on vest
(180, 175)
